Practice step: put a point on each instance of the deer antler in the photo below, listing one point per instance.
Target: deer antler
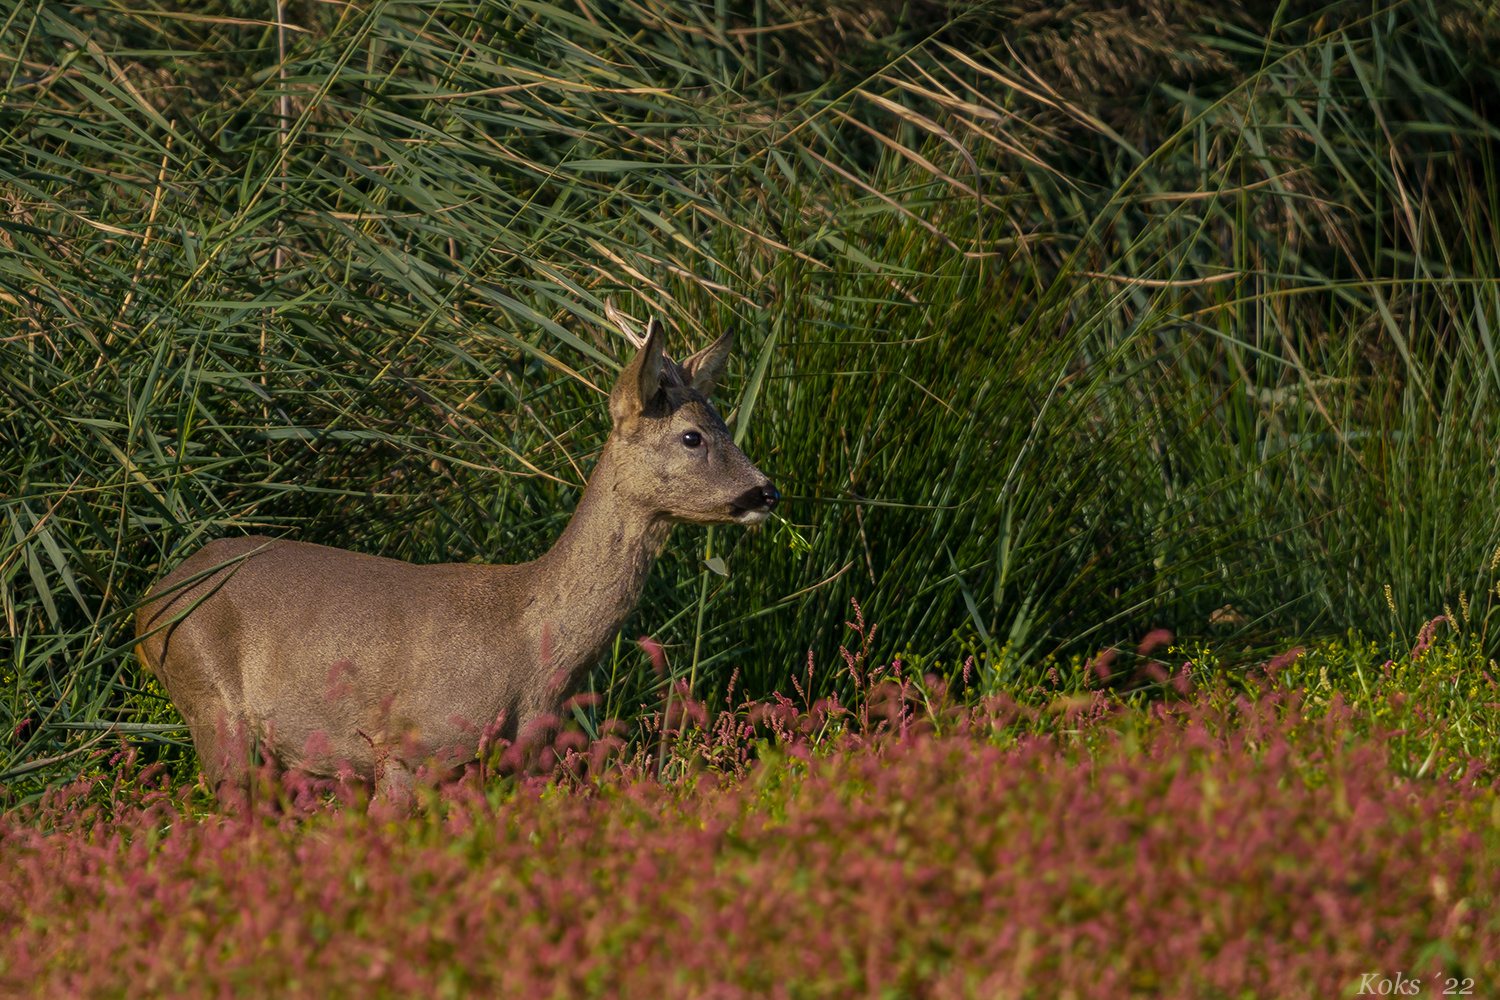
(626, 327)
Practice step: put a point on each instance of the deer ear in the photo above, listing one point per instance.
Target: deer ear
(701, 371)
(641, 379)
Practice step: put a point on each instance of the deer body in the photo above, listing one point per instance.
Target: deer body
(334, 660)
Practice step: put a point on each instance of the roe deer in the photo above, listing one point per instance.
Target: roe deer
(332, 660)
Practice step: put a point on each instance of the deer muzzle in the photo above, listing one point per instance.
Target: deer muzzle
(752, 506)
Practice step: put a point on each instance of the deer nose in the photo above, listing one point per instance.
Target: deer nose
(757, 498)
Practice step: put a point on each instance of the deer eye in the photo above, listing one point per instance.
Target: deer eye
(692, 439)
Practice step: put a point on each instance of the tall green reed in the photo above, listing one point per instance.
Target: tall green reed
(1053, 329)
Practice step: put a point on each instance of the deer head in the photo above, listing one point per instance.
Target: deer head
(676, 454)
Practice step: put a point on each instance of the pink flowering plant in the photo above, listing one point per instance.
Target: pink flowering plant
(1268, 838)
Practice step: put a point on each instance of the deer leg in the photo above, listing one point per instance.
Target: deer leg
(395, 783)
(223, 748)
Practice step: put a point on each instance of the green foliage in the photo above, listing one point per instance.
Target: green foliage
(1437, 708)
(1053, 328)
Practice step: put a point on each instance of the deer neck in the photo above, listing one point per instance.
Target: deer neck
(587, 584)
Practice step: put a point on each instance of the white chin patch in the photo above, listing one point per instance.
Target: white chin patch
(751, 517)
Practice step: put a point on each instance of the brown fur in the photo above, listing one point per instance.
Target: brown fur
(329, 658)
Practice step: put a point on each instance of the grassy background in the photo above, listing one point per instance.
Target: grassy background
(1054, 327)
